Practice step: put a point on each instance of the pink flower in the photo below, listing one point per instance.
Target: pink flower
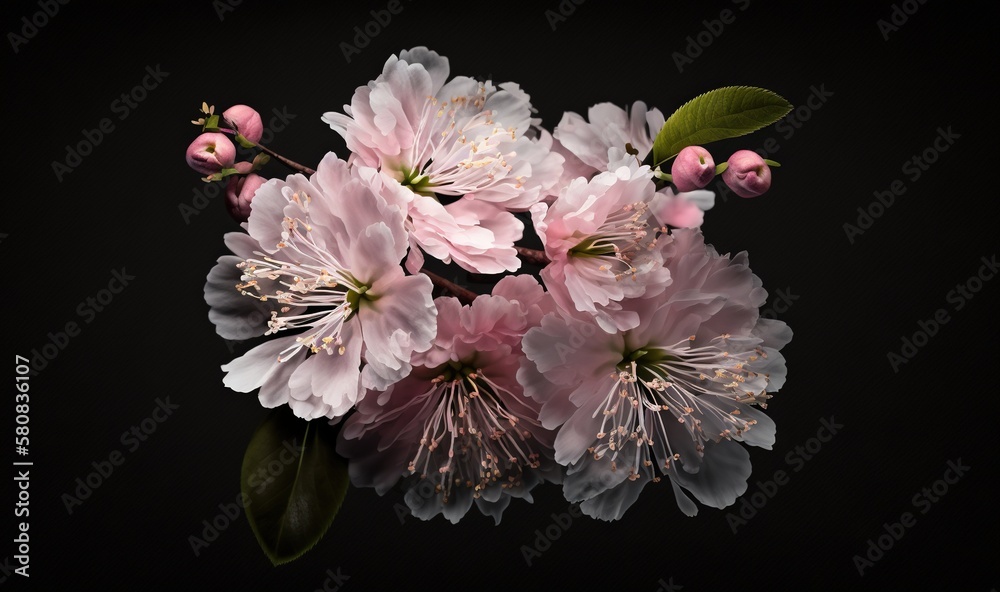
(692, 169)
(597, 235)
(458, 429)
(246, 121)
(476, 235)
(210, 153)
(671, 397)
(444, 139)
(322, 260)
(681, 210)
(239, 195)
(609, 126)
(747, 175)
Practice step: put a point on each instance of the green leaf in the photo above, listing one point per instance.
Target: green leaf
(241, 139)
(260, 160)
(727, 112)
(771, 163)
(295, 483)
(721, 167)
(211, 124)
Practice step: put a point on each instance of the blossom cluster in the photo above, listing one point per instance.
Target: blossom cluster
(639, 356)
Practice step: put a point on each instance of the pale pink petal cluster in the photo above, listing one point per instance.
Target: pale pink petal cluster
(597, 234)
(446, 140)
(585, 142)
(641, 356)
(323, 254)
(681, 210)
(669, 398)
(458, 431)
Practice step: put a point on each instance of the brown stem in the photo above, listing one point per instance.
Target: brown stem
(464, 295)
(533, 256)
(287, 162)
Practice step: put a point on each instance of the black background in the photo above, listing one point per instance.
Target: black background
(853, 301)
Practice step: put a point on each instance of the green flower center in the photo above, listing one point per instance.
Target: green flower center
(355, 295)
(416, 181)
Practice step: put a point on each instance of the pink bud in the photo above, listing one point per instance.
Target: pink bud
(244, 167)
(692, 169)
(239, 194)
(210, 153)
(246, 121)
(748, 175)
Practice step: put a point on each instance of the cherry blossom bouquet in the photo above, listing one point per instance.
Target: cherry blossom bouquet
(636, 354)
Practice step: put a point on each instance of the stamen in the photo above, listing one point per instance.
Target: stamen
(470, 423)
(698, 387)
(318, 287)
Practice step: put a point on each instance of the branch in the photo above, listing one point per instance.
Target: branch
(533, 256)
(464, 295)
(285, 161)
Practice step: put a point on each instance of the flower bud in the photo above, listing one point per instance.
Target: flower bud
(692, 169)
(210, 153)
(244, 167)
(246, 121)
(239, 194)
(747, 175)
